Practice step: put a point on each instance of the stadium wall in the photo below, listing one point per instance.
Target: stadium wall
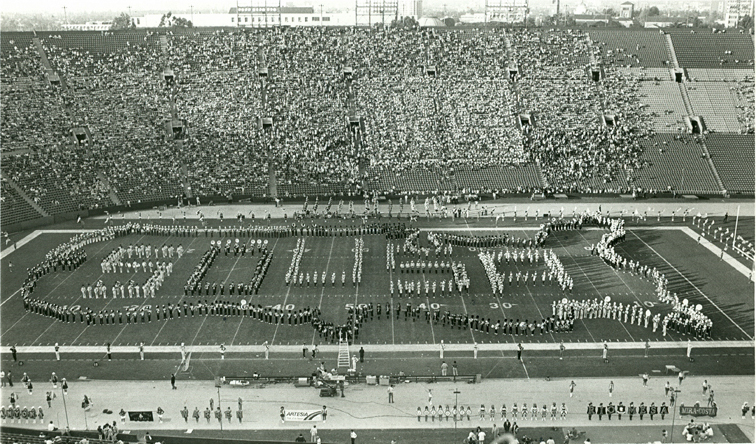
(32, 434)
(188, 440)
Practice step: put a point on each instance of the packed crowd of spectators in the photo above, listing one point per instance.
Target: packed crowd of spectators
(570, 141)
(463, 117)
(744, 94)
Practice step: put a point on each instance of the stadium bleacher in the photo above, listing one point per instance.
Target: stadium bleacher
(457, 131)
(715, 102)
(675, 163)
(14, 207)
(632, 48)
(704, 49)
(733, 157)
(665, 105)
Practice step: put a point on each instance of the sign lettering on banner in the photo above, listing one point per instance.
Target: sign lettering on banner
(698, 411)
(303, 415)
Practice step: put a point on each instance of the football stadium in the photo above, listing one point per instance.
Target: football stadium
(405, 233)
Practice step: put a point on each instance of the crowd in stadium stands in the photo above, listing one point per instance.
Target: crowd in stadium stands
(744, 93)
(464, 116)
(571, 142)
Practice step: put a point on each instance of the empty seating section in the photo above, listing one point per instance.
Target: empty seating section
(13, 207)
(414, 180)
(99, 42)
(719, 74)
(715, 102)
(674, 162)
(18, 39)
(649, 74)
(506, 178)
(707, 50)
(664, 104)
(60, 180)
(631, 48)
(733, 156)
(299, 190)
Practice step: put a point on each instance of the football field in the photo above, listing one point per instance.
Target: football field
(694, 273)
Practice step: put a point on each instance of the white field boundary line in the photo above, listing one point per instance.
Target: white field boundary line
(738, 266)
(693, 285)
(468, 347)
(34, 234)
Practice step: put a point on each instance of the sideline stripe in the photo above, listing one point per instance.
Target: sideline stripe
(694, 286)
(551, 346)
(737, 265)
(33, 235)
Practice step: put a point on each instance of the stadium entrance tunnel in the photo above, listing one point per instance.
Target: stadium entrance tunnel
(168, 76)
(679, 75)
(695, 124)
(81, 135)
(526, 120)
(264, 123)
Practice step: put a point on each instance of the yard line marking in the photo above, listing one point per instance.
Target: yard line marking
(534, 301)
(594, 286)
(428, 307)
(241, 318)
(166, 321)
(433, 333)
(693, 285)
(283, 307)
(108, 303)
(54, 321)
(9, 297)
(525, 368)
(78, 297)
(468, 324)
(322, 291)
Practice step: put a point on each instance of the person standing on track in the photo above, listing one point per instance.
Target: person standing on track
(572, 388)
(520, 348)
(605, 353)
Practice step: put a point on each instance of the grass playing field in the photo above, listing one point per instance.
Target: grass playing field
(693, 271)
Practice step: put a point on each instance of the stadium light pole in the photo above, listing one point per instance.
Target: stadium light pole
(675, 393)
(456, 404)
(735, 233)
(65, 407)
(221, 409)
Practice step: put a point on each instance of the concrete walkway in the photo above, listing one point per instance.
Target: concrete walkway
(366, 407)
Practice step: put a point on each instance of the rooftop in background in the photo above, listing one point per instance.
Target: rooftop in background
(275, 9)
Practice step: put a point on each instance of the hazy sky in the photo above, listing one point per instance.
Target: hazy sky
(55, 7)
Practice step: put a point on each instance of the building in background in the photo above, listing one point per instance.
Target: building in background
(258, 17)
(734, 10)
(88, 26)
(626, 11)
